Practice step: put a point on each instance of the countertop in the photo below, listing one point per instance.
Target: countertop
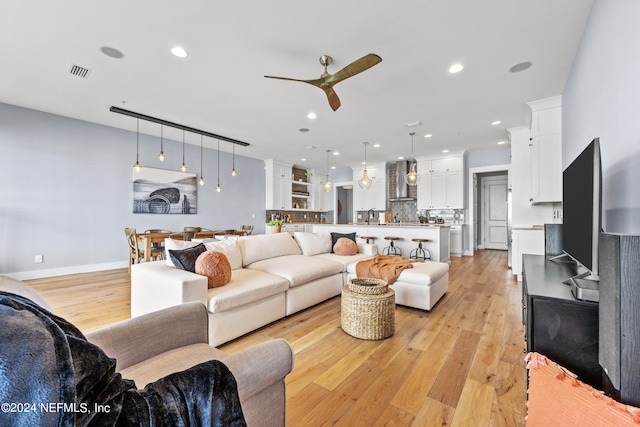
(395, 224)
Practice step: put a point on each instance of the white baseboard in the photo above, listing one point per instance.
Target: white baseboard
(62, 271)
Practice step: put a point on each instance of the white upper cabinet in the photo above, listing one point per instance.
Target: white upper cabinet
(545, 151)
(375, 197)
(441, 183)
(278, 185)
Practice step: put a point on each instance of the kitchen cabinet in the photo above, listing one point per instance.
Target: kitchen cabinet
(375, 197)
(441, 183)
(525, 240)
(545, 151)
(278, 185)
(455, 240)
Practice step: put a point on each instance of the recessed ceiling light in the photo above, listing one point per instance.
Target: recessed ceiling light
(456, 68)
(520, 67)
(501, 142)
(310, 147)
(445, 151)
(303, 159)
(400, 158)
(179, 52)
(495, 123)
(311, 116)
(376, 145)
(333, 167)
(336, 153)
(111, 52)
(428, 135)
(303, 130)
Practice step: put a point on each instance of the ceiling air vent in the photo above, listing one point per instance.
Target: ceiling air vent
(79, 71)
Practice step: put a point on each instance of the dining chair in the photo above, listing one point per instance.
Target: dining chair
(190, 232)
(135, 253)
(248, 229)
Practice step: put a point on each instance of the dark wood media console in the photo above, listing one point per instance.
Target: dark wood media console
(558, 325)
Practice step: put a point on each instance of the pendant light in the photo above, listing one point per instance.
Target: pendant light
(233, 167)
(201, 176)
(412, 177)
(137, 166)
(184, 166)
(161, 154)
(365, 182)
(218, 188)
(326, 186)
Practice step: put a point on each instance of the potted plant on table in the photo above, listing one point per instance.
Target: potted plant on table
(276, 225)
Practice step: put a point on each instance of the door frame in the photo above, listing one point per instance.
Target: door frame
(472, 198)
(335, 198)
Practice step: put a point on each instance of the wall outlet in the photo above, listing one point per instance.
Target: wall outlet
(39, 259)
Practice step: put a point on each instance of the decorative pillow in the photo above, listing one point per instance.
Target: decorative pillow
(176, 245)
(185, 259)
(313, 244)
(345, 246)
(336, 236)
(265, 246)
(215, 266)
(228, 247)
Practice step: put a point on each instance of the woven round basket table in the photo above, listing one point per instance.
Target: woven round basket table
(368, 309)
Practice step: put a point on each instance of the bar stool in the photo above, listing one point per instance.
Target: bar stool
(420, 252)
(392, 249)
(367, 238)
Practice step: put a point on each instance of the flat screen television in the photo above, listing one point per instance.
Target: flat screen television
(582, 208)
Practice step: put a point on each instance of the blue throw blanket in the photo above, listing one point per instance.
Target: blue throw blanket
(50, 375)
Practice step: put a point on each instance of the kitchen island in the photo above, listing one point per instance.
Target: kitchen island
(438, 236)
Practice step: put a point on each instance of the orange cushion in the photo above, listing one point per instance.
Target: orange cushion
(558, 398)
(345, 246)
(216, 266)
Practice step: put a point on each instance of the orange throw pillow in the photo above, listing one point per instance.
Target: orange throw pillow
(345, 246)
(216, 266)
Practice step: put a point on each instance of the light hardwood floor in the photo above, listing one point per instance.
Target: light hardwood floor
(461, 364)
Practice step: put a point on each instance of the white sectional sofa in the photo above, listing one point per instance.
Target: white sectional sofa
(273, 276)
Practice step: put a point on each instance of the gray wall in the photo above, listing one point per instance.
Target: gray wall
(602, 99)
(66, 191)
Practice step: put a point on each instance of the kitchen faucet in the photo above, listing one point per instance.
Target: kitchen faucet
(370, 213)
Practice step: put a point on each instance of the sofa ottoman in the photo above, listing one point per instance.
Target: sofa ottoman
(419, 287)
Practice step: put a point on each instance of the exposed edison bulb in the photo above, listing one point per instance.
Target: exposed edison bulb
(233, 172)
(201, 181)
(161, 156)
(137, 167)
(218, 188)
(183, 167)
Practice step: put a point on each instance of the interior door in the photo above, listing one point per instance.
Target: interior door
(494, 200)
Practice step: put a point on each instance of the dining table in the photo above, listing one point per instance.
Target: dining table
(148, 239)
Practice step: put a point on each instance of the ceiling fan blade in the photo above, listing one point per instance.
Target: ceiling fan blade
(332, 96)
(356, 67)
(314, 82)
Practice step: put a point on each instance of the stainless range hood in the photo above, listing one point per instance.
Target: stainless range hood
(401, 187)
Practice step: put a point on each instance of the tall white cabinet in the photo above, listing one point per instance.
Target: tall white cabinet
(441, 183)
(278, 184)
(545, 149)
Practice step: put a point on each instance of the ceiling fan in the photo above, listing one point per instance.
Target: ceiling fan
(327, 81)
